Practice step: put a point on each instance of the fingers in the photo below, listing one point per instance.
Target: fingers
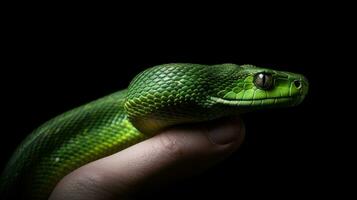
(173, 154)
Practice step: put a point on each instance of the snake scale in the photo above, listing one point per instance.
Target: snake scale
(157, 98)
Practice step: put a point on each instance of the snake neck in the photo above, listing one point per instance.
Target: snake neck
(168, 117)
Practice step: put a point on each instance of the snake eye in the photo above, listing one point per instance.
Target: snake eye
(263, 81)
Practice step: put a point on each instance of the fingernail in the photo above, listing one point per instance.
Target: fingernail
(225, 131)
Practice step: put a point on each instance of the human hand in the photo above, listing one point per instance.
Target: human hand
(175, 153)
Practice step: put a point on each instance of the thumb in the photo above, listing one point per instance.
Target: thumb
(173, 154)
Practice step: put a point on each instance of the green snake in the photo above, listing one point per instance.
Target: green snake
(159, 97)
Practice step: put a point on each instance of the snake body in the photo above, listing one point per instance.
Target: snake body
(157, 98)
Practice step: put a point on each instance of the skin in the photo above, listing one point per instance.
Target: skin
(166, 157)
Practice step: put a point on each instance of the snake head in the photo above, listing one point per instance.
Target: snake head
(171, 94)
(254, 88)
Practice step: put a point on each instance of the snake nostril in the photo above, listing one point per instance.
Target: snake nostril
(297, 84)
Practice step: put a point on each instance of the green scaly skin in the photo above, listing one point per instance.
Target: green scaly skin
(157, 98)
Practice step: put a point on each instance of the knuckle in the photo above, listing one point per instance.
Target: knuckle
(90, 183)
(170, 146)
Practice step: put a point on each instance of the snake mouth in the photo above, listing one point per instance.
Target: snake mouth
(296, 99)
(271, 98)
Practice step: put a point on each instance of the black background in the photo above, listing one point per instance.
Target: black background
(55, 63)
